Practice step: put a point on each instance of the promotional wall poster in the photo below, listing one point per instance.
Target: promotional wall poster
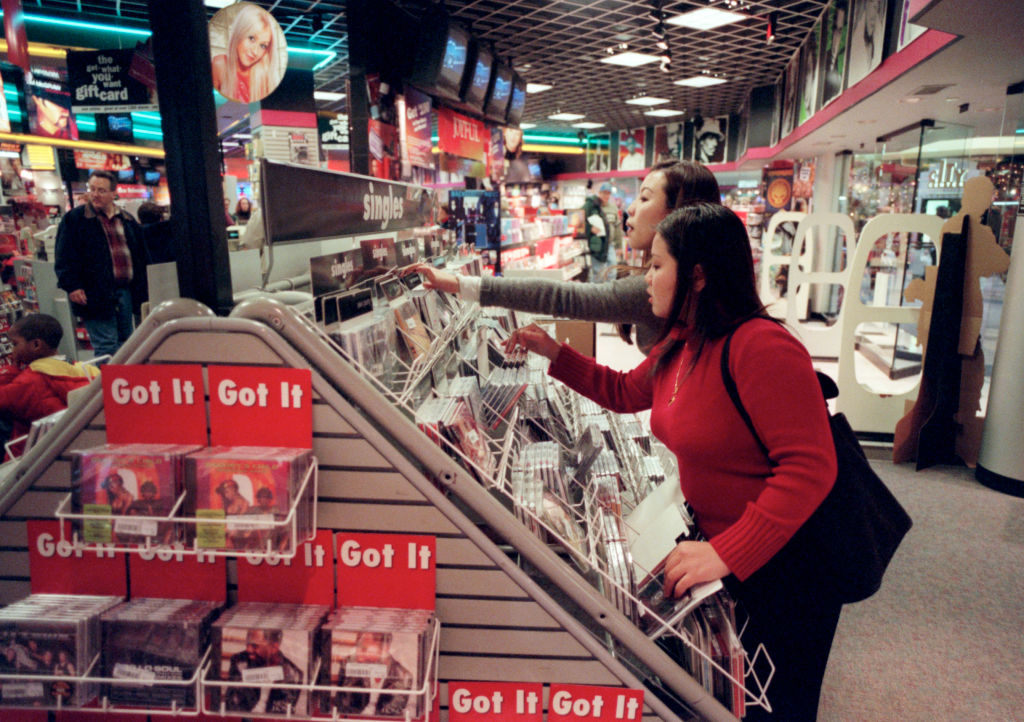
(709, 140)
(417, 128)
(791, 97)
(101, 83)
(809, 75)
(867, 38)
(385, 161)
(249, 52)
(669, 142)
(834, 48)
(778, 183)
(599, 153)
(631, 149)
(49, 103)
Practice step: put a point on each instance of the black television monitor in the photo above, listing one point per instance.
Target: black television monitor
(517, 102)
(478, 76)
(151, 177)
(442, 48)
(496, 107)
(126, 176)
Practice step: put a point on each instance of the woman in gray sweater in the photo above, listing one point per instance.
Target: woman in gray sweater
(623, 300)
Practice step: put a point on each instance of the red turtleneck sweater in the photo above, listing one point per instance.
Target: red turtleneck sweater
(747, 507)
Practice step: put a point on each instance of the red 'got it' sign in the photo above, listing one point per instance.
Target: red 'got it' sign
(386, 570)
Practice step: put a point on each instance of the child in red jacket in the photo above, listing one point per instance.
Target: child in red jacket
(38, 383)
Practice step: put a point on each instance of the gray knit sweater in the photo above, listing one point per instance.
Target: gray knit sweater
(623, 300)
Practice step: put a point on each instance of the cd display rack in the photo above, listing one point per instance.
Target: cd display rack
(508, 599)
(297, 526)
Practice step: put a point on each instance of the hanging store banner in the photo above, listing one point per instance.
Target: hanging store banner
(101, 82)
(98, 160)
(15, 33)
(417, 128)
(333, 130)
(461, 136)
(304, 204)
(49, 103)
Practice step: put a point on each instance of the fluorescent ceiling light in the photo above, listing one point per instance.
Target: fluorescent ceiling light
(700, 81)
(537, 87)
(630, 59)
(588, 124)
(566, 116)
(9, 154)
(217, 3)
(327, 96)
(527, 126)
(663, 112)
(647, 100)
(706, 18)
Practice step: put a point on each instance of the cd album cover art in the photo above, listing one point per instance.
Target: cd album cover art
(223, 485)
(123, 481)
(265, 655)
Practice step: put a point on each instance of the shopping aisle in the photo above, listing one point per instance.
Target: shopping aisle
(942, 639)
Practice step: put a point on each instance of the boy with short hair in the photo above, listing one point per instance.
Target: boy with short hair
(38, 383)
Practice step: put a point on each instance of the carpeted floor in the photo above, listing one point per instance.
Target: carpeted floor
(944, 638)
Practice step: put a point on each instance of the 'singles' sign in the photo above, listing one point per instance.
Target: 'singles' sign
(306, 204)
(100, 83)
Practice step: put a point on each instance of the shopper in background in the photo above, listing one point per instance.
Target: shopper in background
(623, 300)
(101, 263)
(598, 233)
(243, 210)
(157, 235)
(747, 505)
(38, 383)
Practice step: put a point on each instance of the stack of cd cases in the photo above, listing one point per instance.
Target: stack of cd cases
(251, 487)
(47, 636)
(117, 483)
(149, 640)
(376, 654)
(261, 644)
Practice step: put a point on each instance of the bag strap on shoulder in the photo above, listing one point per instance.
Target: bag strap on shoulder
(734, 394)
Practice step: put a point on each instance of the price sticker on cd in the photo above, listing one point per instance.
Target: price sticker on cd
(386, 570)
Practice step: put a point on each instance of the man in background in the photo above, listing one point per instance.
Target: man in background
(101, 263)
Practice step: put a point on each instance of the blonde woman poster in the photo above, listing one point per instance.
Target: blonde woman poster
(249, 52)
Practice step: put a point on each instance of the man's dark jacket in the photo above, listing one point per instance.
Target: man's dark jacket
(83, 261)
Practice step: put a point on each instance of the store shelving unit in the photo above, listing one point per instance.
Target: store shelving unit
(510, 606)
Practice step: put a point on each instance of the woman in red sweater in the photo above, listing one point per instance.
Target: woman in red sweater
(701, 281)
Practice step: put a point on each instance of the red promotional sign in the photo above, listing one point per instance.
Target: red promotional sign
(306, 578)
(495, 702)
(584, 703)
(172, 574)
(461, 136)
(154, 404)
(386, 570)
(57, 567)
(14, 31)
(258, 406)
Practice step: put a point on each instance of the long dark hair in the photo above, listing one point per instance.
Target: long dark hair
(713, 237)
(685, 180)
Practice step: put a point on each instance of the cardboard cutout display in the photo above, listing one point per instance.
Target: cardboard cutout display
(982, 257)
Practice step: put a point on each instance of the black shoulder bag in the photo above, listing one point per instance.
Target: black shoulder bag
(846, 544)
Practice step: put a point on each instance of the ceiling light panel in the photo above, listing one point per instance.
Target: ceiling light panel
(700, 81)
(630, 59)
(566, 116)
(647, 100)
(706, 18)
(663, 112)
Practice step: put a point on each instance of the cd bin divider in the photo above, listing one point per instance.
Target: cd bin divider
(379, 473)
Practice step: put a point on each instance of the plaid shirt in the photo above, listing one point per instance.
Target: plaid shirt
(113, 229)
